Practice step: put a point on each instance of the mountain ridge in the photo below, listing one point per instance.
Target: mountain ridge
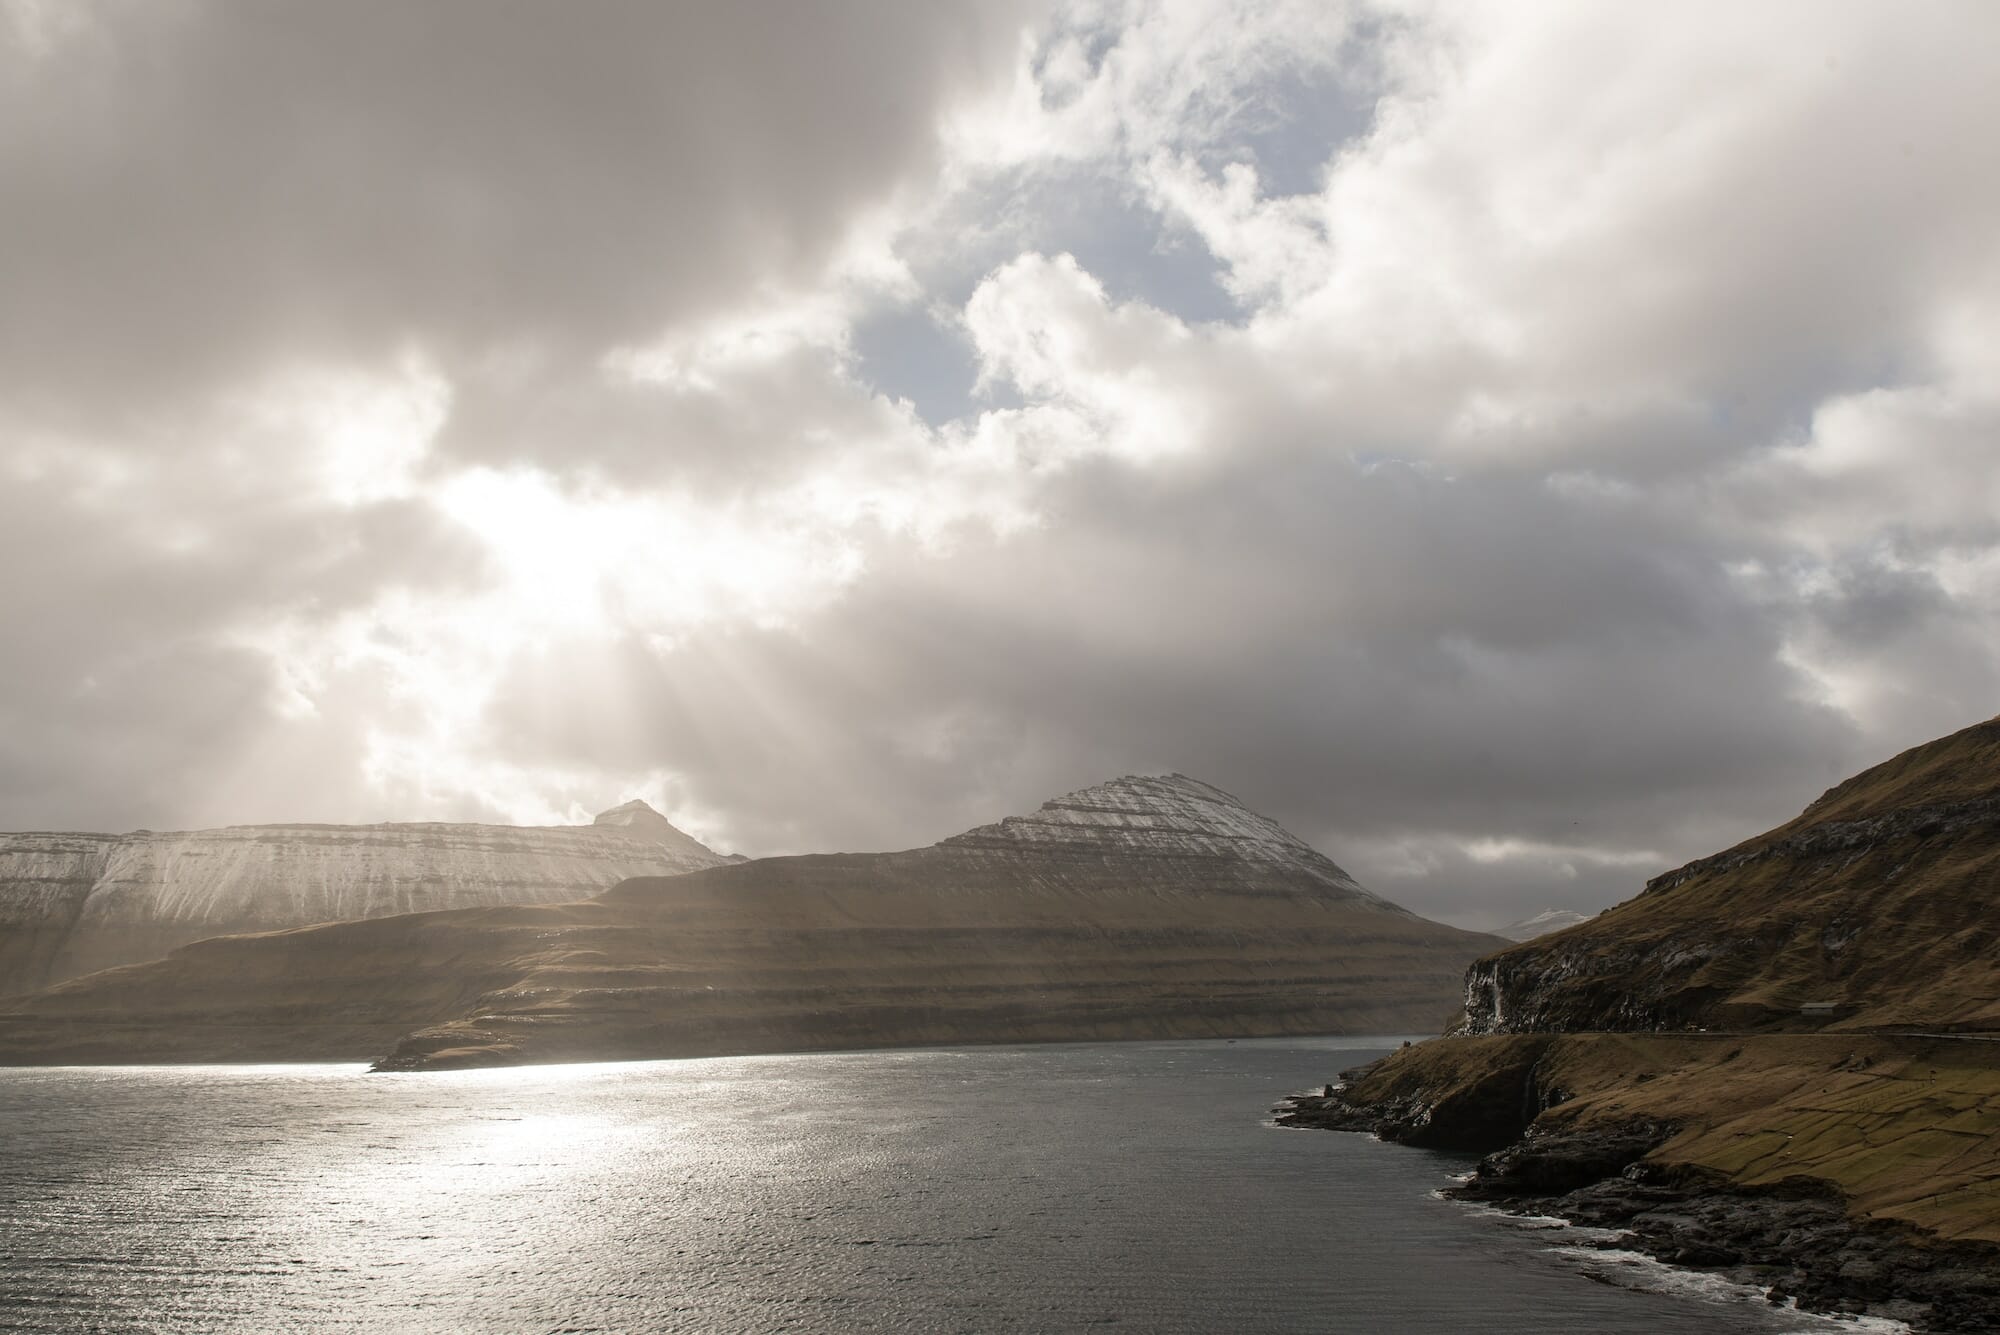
(997, 937)
(72, 903)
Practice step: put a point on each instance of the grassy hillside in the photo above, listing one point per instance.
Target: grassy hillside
(1882, 899)
(1782, 1061)
(1907, 1131)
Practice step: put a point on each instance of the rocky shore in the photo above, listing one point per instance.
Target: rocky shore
(1781, 1063)
(1797, 1238)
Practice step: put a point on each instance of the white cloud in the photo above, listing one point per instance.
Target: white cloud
(1045, 326)
(1596, 453)
(359, 438)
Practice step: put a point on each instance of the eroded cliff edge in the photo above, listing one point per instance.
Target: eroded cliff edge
(1781, 1062)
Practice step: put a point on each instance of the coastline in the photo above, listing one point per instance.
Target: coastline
(1687, 1182)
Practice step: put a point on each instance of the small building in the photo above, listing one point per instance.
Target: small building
(1819, 1010)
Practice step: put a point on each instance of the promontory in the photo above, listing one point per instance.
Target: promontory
(1781, 1062)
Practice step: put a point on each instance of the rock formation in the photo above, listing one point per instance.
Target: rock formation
(1782, 1061)
(71, 904)
(1139, 908)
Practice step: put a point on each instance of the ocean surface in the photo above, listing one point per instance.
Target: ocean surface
(1082, 1187)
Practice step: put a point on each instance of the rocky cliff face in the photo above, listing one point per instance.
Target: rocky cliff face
(1140, 908)
(1843, 1150)
(1850, 1173)
(45, 879)
(1878, 906)
(74, 903)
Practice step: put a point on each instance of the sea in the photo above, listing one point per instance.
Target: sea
(1134, 1187)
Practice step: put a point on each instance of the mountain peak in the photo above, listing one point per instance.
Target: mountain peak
(626, 813)
(638, 819)
(1155, 816)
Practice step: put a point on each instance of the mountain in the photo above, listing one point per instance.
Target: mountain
(1138, 908)
(1781, 1062)
(1542, 924)
(71, 904)
(1878, 906)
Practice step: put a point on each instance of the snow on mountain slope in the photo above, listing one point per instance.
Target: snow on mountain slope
(1543, 923)
(1168, 817)
(75, 903)
(1142, 908)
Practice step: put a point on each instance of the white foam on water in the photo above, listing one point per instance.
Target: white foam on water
(1591, 1250)
(1514, 1219)
(1643, 1274)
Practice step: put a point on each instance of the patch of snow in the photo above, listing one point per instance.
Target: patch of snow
(1160, 816)
(1543, 923)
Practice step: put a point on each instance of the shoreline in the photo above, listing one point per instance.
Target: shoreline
(1798, 1239)
(1607, 1256)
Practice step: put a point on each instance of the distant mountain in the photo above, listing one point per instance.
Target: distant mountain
(1542, 924)
(71, 904)
(1878, 906)
(1138, 908)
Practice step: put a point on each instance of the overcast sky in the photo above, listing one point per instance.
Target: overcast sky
(1519, 447)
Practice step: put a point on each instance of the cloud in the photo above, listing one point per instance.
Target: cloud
(196, 189)
(1518, 447)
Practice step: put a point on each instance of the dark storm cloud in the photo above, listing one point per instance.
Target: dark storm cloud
(192, 190)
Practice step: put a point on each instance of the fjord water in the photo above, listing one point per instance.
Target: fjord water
(1057, 1188)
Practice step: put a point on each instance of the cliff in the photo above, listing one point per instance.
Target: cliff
(1781, 1061)
(1856, 1174)
(72, 904)
(1879, 906)
(1139, 908)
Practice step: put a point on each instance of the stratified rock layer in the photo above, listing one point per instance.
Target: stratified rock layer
(1139, 908)
(1164, 822)
(71, 904)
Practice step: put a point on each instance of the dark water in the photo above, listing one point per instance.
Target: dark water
(1122, 1186)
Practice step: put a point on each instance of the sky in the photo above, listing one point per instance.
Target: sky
(1519, 447)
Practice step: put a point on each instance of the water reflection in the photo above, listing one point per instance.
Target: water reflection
(1038, 1189)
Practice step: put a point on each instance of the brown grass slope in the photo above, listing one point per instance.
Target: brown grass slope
(1653, 1067)
(960, 942)
(1882, 897)
(1903, 1130)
